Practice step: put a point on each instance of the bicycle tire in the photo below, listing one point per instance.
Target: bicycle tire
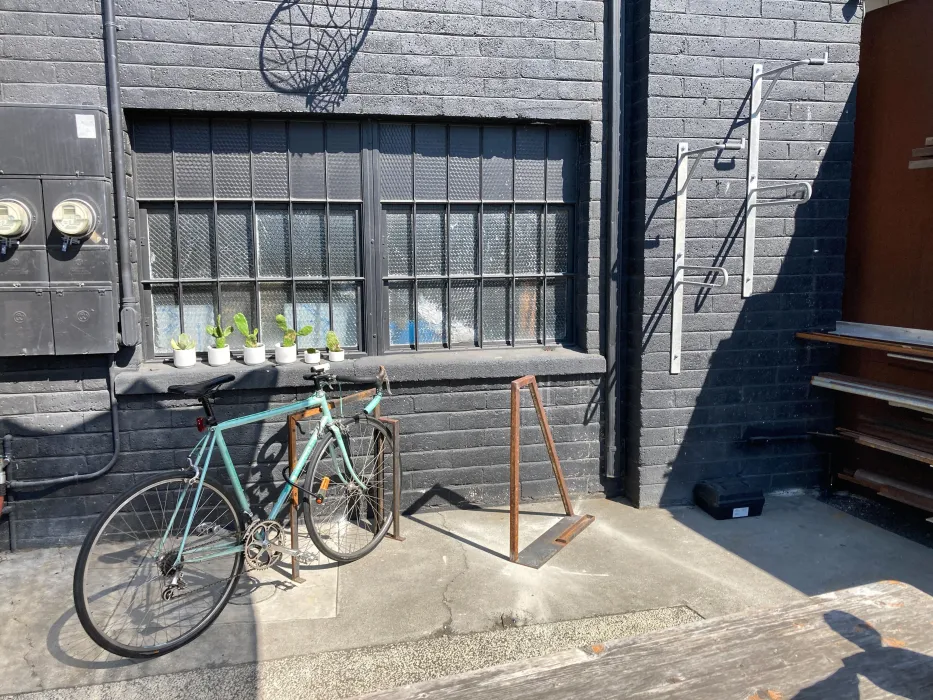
(325, 537)
(80, 584)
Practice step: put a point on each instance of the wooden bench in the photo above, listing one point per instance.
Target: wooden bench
(874, 641)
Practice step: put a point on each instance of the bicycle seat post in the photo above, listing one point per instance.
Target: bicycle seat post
(208, 409)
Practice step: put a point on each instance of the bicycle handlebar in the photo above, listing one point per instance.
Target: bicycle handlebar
(379, 379)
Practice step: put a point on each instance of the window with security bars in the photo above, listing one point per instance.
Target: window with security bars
(255, 216)
(477, 227)
(396, 236)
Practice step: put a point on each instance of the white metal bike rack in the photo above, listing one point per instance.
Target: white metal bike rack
(684, 175)
(758, 98)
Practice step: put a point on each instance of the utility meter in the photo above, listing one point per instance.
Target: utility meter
(15, 222)
(75, 219)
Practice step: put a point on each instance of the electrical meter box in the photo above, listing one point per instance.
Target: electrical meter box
(57, 262)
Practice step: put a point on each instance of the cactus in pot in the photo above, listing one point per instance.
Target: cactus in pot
(254, 352)
(286, 351)
(335, 353)
(219, 354)
(184, 349)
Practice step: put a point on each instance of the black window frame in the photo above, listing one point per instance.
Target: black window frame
(371, 282)
(385, 278)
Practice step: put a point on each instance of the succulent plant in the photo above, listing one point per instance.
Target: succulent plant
(184, 342)
(333, 342)
(291, 335)
(250, 340)
(219, 333)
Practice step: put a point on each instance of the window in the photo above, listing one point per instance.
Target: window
(477, 225)
(438, 236)
(258, 217)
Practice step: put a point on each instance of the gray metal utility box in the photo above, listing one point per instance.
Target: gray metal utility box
(57, 263)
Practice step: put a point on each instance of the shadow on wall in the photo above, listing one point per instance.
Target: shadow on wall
(743, 405)
(308, 46)
(750, 413)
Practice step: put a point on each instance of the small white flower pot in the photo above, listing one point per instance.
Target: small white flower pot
(185, 358)
(285, 355)
(312, 358)
(336, 356)
(217, 357)
(254, 356)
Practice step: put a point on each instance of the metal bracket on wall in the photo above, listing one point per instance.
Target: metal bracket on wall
(758, 98)
(684, 174)
(924, 156)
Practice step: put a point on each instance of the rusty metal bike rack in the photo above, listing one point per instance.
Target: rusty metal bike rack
(293, 421)
(561, 533)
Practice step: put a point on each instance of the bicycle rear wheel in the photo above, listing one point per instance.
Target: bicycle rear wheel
(346, 519)
(129, 595)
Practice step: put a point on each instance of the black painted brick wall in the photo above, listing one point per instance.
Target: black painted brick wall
(454, 437)
(743, 372)
(473, 59)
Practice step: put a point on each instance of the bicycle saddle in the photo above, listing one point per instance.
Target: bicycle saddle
(201, 389)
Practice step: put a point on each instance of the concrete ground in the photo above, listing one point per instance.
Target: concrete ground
(447, 600)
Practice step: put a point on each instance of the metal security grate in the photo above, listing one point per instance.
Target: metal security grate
(398, 236)
(254, 216)
(477, 228)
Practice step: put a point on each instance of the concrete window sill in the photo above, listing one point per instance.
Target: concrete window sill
(505, 364)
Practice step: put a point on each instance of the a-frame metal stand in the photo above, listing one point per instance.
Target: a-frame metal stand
(561, 533)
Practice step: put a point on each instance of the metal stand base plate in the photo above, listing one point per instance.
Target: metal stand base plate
(555, 539)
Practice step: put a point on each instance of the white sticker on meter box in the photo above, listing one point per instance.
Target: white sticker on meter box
(87, 127)
(740, 512)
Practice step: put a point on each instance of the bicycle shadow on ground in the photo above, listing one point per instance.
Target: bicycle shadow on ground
(458, 502)
(69, 644)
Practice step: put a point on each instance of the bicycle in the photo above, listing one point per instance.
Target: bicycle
(162, 561)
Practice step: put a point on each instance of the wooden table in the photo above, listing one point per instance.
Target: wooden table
(874, 641)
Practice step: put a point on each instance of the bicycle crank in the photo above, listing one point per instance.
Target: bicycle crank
(263, 546)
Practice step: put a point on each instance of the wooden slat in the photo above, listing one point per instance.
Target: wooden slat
(867, 343)
(900, 396)
(901, 495)
(908, 451)
(822, 647)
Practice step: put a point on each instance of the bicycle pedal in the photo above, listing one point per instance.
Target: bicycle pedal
(306, 558)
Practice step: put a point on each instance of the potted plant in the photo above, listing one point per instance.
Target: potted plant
(312, 356)
(219, 354)
(334, 351)
(254, 352)
(184, 349)
(286, 351)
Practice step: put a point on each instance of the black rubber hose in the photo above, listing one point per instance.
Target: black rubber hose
(78, 478)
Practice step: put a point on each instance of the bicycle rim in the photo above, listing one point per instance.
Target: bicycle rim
(350, 519)
(130, 597)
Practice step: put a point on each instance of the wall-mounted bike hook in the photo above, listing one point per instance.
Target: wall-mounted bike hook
(758, 98)
(685, 173)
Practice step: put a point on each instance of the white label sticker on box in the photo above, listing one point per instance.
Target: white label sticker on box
(740, 512)
(87, 127)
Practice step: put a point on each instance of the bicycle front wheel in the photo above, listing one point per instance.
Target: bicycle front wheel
(131, 595)
(347, 517)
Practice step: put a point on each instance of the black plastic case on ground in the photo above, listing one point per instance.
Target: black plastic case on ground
(725, 499)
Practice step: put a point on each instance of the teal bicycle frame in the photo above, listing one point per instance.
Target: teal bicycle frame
(214, 438)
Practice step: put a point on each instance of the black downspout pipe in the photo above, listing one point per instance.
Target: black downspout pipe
(129, 304)
(615, 346)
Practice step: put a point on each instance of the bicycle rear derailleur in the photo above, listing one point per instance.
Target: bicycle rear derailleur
(263, 546)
